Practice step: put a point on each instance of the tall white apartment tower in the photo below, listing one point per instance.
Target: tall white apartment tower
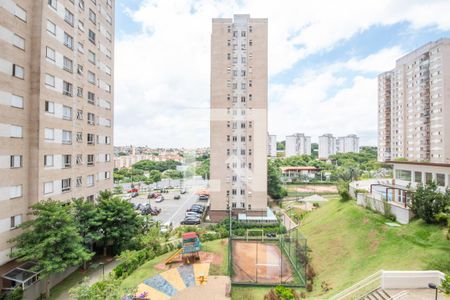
(238, 117)
(56, 105)
(414, 106)
(347, 144)
(327, 146)
(297, 144)
(272, 145)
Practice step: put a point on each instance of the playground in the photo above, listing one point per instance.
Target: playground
(260, 263)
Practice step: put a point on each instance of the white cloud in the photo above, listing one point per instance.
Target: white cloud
(162, 72)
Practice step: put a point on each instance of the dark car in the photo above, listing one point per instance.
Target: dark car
(177, 197)
(203, 198)
(134, 195)
(196, 210)
(190, 221)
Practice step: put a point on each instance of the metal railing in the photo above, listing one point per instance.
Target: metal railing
(361, 288)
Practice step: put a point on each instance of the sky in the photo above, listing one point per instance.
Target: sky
(324, 58)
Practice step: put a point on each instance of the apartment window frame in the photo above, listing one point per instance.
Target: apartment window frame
(19, 42)
(67, 88)
(90, 160)
(91, 36)
(49, 160)
(16, 131)
(15, 221)
(53, 4)
(90, 139)
(69, 17)
(50, 80)
(66, 161)
(68, 40)
(16, 161)
(49, 134)
(50, 53)
(66, 137)
(67, 112)
(17, 101)
(90, 180)
(66, 185)
(18, 71)
(67, 64)
(92, 16)
(48, 188)
(91, 97)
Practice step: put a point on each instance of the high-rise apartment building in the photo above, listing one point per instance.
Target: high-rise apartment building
(414, 106)
(297, 144)
(347, 144)
(238, 117)
(327, 146)
(56, 100)
(272, 145)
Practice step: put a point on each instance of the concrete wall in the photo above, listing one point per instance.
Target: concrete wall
(410, 279)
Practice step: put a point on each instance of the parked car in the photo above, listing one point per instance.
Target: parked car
(166, 227)
(126, 197)
(190, 221)
(133, 190)
(183, 191)
(193, 214)
(177, 197)
(203, 198)
(271, 234)
(196, 209)
(159, 199)
(134, 195)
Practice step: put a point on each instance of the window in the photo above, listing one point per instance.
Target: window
(440, 179)
(67, 160)
(250, 83)
(243, 59)
(250, 42)
(249, 151)
(243, 33)
(91, 119)
(49, 107)
(15, 161)
(249, 138)
(50, 53)
(17, 101)
(68, 17)
(79, 114)
(67, 88)
(16, 221)
(48, 187)
(66, 137)
(91, 36)
(20, 13)
(79, 159)
(91, 57)
(81, 4)
(91, 77)
(92, 16)
(48, 160)
(250, 166)
(107, 175)
(50, 80)
(107, 157)
(65, 184)
(80, 69)
(90, 159)
(80, 92)
(68, 64)
(19, 42)
(90, 180)
(51, 27)
(52, 3)
(91, 98)
(107, 140)
(418, 177)
(49, 134)
(81, 26)
(80, 47)
(15, 191)
(91, 139)
(79, 181)
(68, 40)
(16, 131)
(67, 112)
(18, 71)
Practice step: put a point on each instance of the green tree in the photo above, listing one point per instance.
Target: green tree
(119, 222)
(274, 184)
(51, 239)
(155, 175)
(428, 202)
(118, 189)
(109, 288)
(172, 174)
(281, 145)
(87, 222)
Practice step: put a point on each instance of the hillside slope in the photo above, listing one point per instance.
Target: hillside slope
(349, 243)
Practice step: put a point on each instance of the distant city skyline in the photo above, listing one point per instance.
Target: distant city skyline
(324, 59)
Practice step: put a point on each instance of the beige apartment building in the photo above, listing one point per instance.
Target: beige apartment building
(414, 106)
(414, 118)
(56, 105)
(238, 117)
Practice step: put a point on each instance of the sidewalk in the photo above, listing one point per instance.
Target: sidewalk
(93, 274)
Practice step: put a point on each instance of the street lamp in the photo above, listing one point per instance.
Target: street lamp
(433, 286)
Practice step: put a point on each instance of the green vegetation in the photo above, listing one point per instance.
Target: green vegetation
(431, 205)
(203, 169)
(274, 184)
(155, 169)
(16, 294)
(51, 239)
(281, 145)
(349, 243)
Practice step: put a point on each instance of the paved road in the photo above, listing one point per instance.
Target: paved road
(174, 210)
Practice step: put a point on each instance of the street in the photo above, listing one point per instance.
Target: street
(174, 210)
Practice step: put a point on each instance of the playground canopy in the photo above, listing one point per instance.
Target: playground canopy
(313, 198)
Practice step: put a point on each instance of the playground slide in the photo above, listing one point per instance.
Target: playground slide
(173, 256)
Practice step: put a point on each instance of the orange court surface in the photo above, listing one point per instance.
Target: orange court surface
(259, 262)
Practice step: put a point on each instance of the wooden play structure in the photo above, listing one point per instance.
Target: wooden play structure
(189, 251)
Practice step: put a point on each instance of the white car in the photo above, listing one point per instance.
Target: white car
(192, 214)
(159, 199)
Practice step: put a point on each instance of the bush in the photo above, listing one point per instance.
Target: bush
(445, 285)
(428, 203)
(16, 294)
(343, 191)
(131, 260)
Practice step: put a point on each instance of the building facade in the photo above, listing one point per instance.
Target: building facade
(414, 106)
(297, 144)
(238, 117)
(347, 144)
(327, 146)
(56, 99)
(272, 145)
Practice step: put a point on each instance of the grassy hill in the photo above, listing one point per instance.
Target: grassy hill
(349, 243)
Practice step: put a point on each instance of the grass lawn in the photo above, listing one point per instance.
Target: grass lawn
(248, 293)
(349, 243)
(220, 248)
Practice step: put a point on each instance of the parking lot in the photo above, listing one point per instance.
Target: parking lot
(173, 211)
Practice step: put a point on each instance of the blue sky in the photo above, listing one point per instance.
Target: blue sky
(323, 64)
